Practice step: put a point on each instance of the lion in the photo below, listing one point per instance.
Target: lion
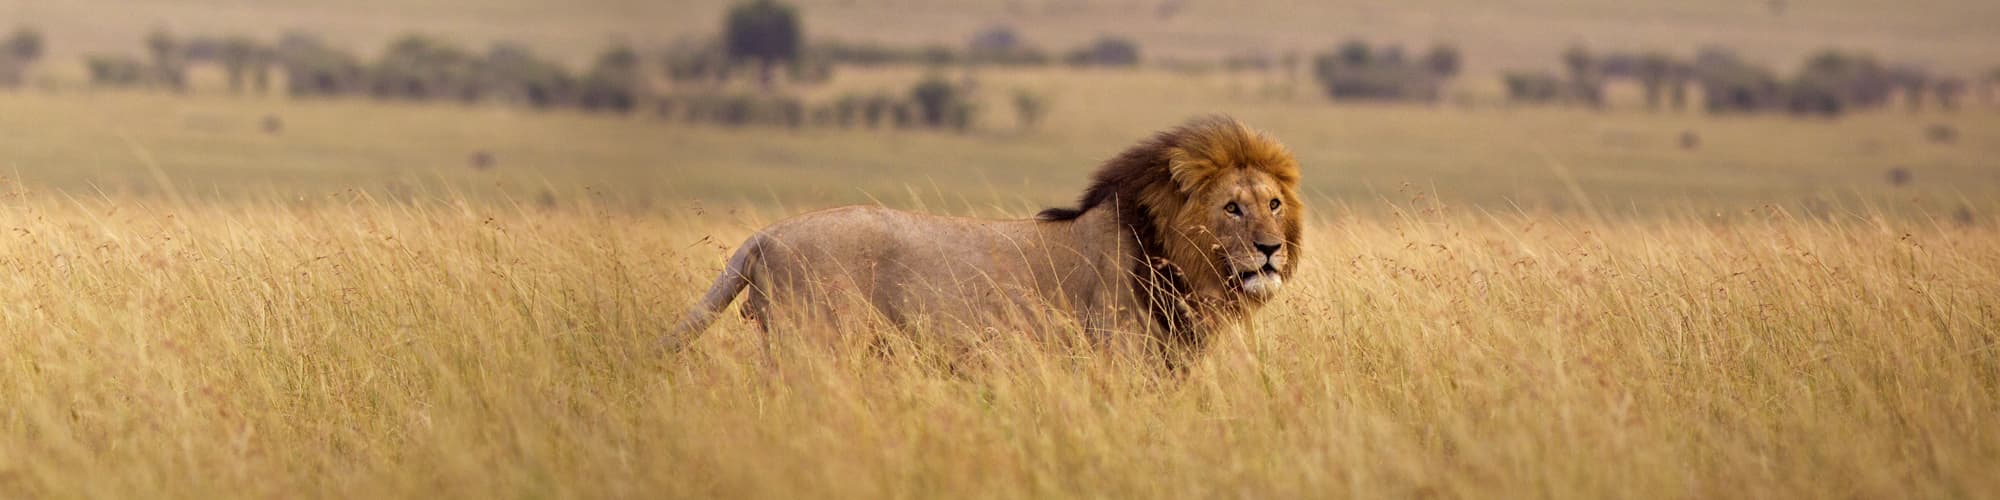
(1176, 238)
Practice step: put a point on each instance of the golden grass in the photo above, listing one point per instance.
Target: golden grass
(341, 348)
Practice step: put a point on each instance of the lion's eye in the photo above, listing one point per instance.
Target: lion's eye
(1274, 204)
(1232, 209)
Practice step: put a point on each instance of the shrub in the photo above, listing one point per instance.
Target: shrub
(1356, 71)
(25, 45)
(169, 67)
(1538, 87)
(1106, 51)
(614, 83)
(1001, 45)
(417, 67)
(935, 99)
(115, 70)
(513, 73)
(314, 69)
(737, 109)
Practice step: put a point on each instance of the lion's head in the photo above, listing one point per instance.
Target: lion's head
(1215, 200)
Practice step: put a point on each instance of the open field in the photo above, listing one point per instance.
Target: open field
(353, 349)
(1497, 301)
(1478, 154)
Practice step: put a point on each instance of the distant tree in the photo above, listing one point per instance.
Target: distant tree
(940, 104)
(1732, 85)
(1355, 53)
(238, 55)
(169, 66)
(1443, 60)
(614, 82)
(996, 39)
(1948, 91)
(1913, 81)
(1002, 45)
(1618, 65)
(934, 97)
(1356, 71)
(765, 32)
(1654, 71)
(116, 70)
(1585, 80)
(1106, 51)
(1854, 78)
(1391, 55)
(1814, 96)
(25, 45)
(313, 68)
(20, 50)
(690, 62)
(1579, 62)
(513, 72)
(419, 67)
(1532, 87)
(1678, 76)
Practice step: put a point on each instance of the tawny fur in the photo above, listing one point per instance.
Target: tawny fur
(1177, 237)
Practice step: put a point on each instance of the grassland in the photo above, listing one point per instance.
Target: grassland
(351, 348)
(1473, 153)
(1498, 301)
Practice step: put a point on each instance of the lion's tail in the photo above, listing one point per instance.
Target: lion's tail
(735, 277)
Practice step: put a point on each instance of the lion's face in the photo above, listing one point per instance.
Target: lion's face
(1248, 222)
(1246, 210)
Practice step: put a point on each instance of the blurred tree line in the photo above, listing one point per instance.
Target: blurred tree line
(1357, 71)
(764, 43)
(1827, 83)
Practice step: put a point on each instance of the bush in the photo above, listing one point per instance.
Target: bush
(314, 69)
(25, 45)
(513, 73)
(1001, 45)
(736, 109)
(936, 99)
(1106, 51)
(1739, 88)
(1443, 61)
(694, 62)
(614, 82)
(1356, 71)
(115, 70)
(1853, 78)
(1537, 87)
(416, 67)
(169, 68)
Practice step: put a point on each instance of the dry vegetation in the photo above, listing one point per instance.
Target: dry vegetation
(191, 307)
(346, 348)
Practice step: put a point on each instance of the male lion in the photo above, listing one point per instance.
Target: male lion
(1180, 236)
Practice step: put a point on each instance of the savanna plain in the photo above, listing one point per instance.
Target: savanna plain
(1495, 301)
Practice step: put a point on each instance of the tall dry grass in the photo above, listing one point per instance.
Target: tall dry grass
(343, 348)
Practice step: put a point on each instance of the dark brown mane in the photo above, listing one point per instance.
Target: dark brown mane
(1143, 164)
(1148, 183)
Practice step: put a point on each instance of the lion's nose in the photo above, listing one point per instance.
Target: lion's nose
(1269, 250)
